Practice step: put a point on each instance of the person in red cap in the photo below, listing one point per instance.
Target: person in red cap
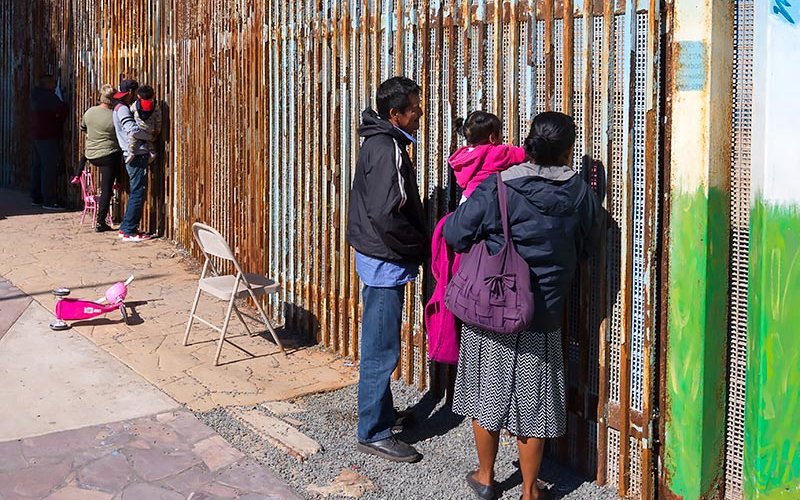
(136, 162)
(147, 114)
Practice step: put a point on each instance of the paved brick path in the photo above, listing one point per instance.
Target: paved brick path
(167, 456)
(61, 403)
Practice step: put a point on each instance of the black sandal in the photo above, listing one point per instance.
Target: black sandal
(485, 491)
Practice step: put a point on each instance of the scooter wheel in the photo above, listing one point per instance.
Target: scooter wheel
(61, 292)
(59, 325)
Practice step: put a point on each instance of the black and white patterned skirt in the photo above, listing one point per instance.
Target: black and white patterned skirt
(514, 382)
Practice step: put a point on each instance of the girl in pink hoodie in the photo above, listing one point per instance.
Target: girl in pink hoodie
(483, 156)
(484, 153)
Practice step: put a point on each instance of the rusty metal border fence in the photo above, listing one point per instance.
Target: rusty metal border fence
(742, 97)
(263, 100)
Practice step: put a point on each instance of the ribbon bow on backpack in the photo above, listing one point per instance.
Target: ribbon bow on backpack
(493, 292)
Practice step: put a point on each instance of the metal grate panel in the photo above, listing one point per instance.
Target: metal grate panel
(740, 243)
(635, 468)
(387, 41)
(591, 439)
(488, 69)
(558, 49)
(572, 437)
(639, 278)
(617, 182)
(526, 76)
(577, 92)
(409, 20)
(506, 80)
(597, 92)
(461, 95)
(595, 266)
(449, 67)
(539, 67)
(612, 458)
(476, 90)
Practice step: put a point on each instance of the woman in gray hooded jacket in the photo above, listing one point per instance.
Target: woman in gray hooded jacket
(517, 382)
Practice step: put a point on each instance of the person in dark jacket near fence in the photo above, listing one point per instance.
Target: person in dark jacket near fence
(386, 227)
(517, 382)
(48, 113)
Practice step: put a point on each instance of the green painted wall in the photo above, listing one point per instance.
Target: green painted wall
(696, 342)
(772, 411)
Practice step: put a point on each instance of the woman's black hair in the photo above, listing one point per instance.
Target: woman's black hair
(478, 127)
(394, 93)
(551, 135)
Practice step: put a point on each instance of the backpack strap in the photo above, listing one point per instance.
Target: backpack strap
(502, 200)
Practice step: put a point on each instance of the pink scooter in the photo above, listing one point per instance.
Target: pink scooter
(78, 309)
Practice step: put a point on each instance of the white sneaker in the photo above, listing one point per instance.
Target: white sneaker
(136, 237)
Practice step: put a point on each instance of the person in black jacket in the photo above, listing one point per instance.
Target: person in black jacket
(386, 227)
(48, 114)
(516, 382)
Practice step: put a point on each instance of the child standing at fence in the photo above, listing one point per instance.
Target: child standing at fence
(483, 156)
(147, 114)
(484, 153)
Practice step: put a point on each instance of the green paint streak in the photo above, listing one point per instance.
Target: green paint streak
(772, 410)
(696, 342)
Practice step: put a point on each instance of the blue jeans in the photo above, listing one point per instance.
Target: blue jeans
(137, 172)
(380, 352)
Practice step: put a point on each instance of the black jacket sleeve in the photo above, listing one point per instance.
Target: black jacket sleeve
(475, 219)
(388, 193)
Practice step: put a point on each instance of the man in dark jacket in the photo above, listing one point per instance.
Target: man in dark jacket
(48, 113)
(386, 227)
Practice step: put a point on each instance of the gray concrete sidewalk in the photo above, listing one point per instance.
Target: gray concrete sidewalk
(75, 423)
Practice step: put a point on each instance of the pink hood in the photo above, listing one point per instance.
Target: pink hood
(474, 164)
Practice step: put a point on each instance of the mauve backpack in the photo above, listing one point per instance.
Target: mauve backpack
(493, 292)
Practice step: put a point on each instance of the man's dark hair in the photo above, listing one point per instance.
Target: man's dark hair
(145, 92)
(551, 135)
(394, 93)
(479, 127)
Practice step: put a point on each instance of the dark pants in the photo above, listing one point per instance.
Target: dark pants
(137, 174)
(380, 352)
(46, 158)
(81, 165)
(110, 172)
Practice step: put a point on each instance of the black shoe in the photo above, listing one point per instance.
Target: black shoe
(35, 203)
(485, 491)
(403, 420)
(102, 228)
(55, 207)
(391, 449)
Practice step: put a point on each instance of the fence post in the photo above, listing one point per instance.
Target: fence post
(772, 401)
(698, 92)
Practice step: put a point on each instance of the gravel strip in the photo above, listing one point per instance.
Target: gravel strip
(444, 439)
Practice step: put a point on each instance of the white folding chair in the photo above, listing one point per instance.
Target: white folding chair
(228, 287)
